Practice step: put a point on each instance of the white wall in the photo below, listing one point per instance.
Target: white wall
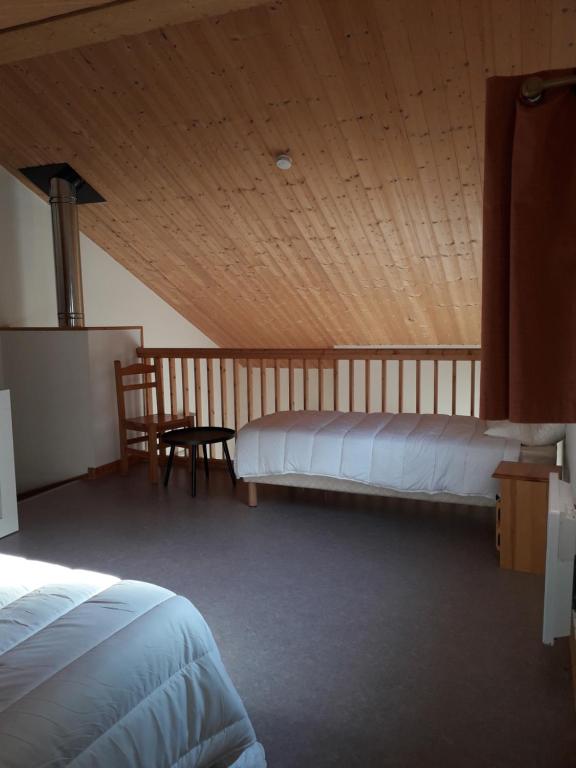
(104, 346)
(63, 400)
(112, 296)
(48, 384)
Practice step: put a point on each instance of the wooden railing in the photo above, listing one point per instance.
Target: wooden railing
(230, 387)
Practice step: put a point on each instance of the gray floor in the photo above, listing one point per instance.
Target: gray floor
(359, 632)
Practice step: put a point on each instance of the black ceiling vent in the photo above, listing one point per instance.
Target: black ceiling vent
(40, 175)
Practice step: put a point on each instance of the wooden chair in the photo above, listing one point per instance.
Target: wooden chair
(151, 424)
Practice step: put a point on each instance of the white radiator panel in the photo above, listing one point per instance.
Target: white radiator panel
(8, 507)
(560, 552)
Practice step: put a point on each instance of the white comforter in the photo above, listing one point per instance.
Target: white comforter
(101, 673)
(404, 452)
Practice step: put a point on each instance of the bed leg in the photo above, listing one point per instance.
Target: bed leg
(252, 495)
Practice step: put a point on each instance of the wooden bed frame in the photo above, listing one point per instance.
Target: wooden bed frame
(540, 454)
(315, 482)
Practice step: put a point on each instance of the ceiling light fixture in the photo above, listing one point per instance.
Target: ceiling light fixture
(283, 161)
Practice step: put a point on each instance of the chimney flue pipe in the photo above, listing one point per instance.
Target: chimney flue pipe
(66, 239)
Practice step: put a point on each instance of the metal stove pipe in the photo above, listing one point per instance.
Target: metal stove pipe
(66, 240)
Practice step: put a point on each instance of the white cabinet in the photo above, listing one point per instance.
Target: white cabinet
(8, 508)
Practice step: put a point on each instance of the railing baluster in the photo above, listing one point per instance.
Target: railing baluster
(250, 384)
(210, 391)
(336, 384)
(277, 392)
(351, 385)
(305, 383)
(454, 369)
(212, 368)
(472, 387)
(185, 386)
(418, 380)
(400, 386)
(384, 386)
(291, 387)
(435, 386)
(237, 384)
(263, 389)
(210, 382)
(367, 385)
(321, 386)
(224, 392)
(197, 392)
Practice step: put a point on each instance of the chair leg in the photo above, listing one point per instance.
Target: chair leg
(206, 469)
(162, 452)
(194, 453)
(153, 455)
(229, 462)
(169, 465)
(123, 452)
(124, 463)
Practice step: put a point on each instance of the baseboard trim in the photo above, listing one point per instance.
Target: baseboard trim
(45, 488)
(112, 468)
(104, 469)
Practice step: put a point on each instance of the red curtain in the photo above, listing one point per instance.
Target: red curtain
(529, 255)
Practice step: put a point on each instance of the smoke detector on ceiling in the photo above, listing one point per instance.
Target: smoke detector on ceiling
(284, 161)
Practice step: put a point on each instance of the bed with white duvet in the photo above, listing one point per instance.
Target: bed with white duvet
(101, 673)
(423, 456)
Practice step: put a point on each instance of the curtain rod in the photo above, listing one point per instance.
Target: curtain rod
(533, 87)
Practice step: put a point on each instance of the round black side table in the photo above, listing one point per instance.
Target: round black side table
(192, 437)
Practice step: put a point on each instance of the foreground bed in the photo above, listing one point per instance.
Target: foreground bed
(419, 456)
(105, 673)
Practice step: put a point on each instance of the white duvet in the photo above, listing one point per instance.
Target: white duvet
(101, 673)
(403, 452)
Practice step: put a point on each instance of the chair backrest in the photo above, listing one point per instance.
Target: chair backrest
(146, 383)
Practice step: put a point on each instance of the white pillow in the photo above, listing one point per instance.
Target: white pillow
(528, 434)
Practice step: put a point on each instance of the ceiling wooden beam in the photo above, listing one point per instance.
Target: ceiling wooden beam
(15, 13)
(106, 22)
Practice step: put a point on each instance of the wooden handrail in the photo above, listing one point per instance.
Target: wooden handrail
(368, 353)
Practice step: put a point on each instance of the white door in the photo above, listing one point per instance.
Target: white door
(560, 551)
(8, 507)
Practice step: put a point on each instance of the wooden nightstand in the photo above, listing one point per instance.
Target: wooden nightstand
(522, 515)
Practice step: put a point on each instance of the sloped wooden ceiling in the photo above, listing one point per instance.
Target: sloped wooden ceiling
(374, 235)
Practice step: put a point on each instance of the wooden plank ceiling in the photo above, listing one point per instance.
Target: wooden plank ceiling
(374, 235)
